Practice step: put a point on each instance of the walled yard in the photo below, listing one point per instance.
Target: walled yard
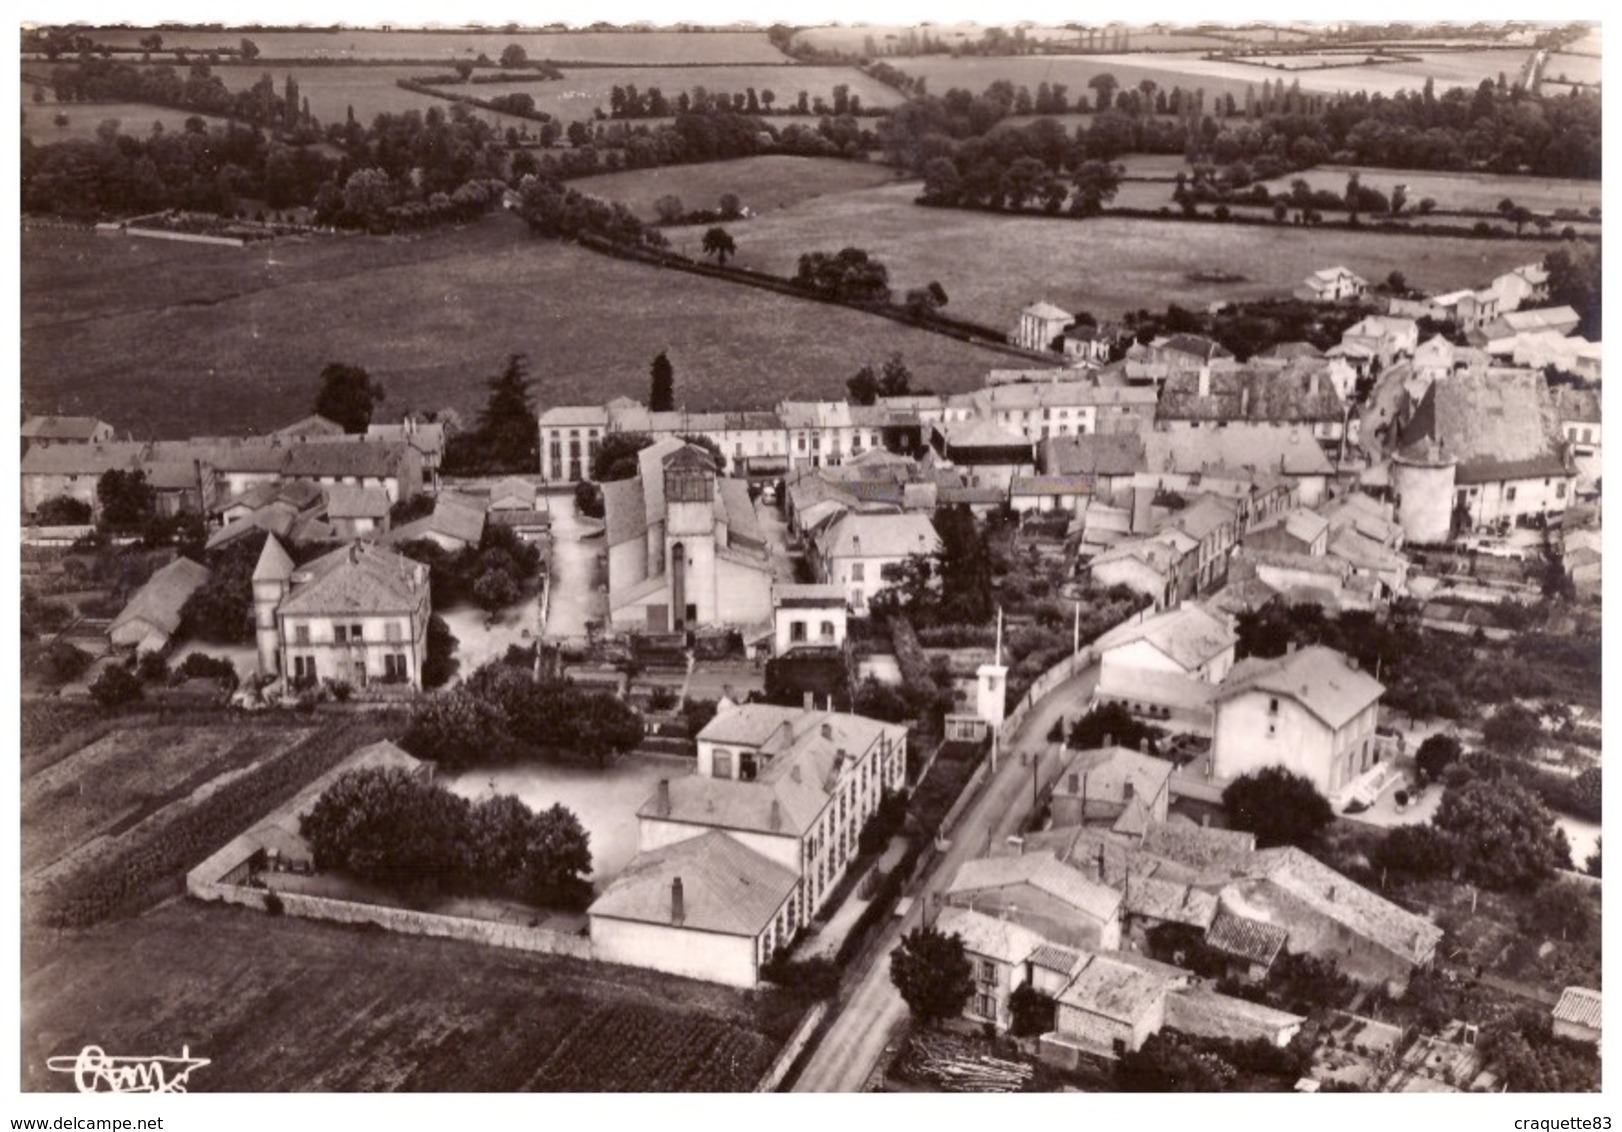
(287, 1004)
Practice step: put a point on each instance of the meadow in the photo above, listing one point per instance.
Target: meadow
(360, 44)
(1457, 191)
(281, 1005)
(1574, 68)
(134, 119)
(763, 184)
(432, 317)
(992, 265)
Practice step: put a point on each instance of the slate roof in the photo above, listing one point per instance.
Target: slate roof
(959, 436)
(1103, 453)
(159, 601)
(1291, 350)
(1254, 941)
(61, 428)
(1042, 871)
(1318, 678)
(1580, 1006)
(726, 887)
(807, 596)
(1286, 392)
(1188, 634)
(357, 579)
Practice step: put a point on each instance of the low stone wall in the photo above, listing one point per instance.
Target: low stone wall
(186, 237)
(791, 1049)
(970, 791)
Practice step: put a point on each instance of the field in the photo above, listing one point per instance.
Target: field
(127, 775)
(1456, 191)
(282, 1005)
(763, 184)
(1575, 68)
(581, 46)
(991, 266)
(134, 118)
(431, 317)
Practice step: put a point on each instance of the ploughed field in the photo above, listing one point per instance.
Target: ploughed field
(172, 340)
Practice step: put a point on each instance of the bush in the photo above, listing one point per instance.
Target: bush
(1278, 806)
(273, 903)
(201, 666)
(64, 663)
(817, 977)
(661, 699)
(151, 669)
(116, 687)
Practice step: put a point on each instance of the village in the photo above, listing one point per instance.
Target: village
(1142, 716)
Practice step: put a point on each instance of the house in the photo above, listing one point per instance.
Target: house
(394, 466)
(357, 615)
(1578, 414)
(807, 616)
(355, 512)
(44, 432)
(1467, 310)
(1109, 460)
(1578, 1015)
(1212, 522)
(1039, 892)
(1109, 1007)
(1521, 287)
(1203, 1012)
(1331, 284)
(1296, 395)
(853, 551)
(1037, 406)
(1311, 711)
(72, 470)
(774, 791)
(1087, 344)
(456, 523)
(1167, 664)
(570, 437)
(1160, 567)
(1543, 348)
(1582, 559)
(1154, 362)
(999, 952)
(818, 433)
(1254, 453)
(1250, 946)
(1040, 324)
(294, 512)
(1299, 532)
(427, 437)
(1481, 449)
(990, 455)
(1498, 336)
(1113, 787)
(515, 503)
(684, 546)
(707, 907)
(149, 621)
(312, 427)
(1385, 337)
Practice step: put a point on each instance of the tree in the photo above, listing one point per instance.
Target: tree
(62, 511)
(1592, 864)
(513, 55)
(1105, 84)
(1032, 1011)
(964, 566)
(557, 860)
(863, 387)
(588, 499)
(933, 974)
(731, 206)
(64, 662)
(603, 726)
(439, 666)
(1513, 730)
(662, 392)
(616, 456)
(1506, 837)
(718, 243)
(464, 69)
(669, 208)
(1096, 183)
(348, 396)
(249, 50)
(1435, 755)
(115, 687)
(494, 590)
(127, 500)
(1418, 851)
(508, 428)
(895, 379)
(1279, 806)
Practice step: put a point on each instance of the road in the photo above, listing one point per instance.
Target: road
(870, 1016)
(576, 572)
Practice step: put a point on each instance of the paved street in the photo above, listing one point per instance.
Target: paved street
(851, 1047)
(576, 571)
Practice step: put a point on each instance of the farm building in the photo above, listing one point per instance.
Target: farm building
(427, 437)
(456, 522)
(1114, 787)
(1331, 284)
(1578, 1014)
(1039, 892)
(152, 615)
(1299, 394)
(1170, 663)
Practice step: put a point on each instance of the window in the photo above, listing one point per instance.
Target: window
(340, 633)
(1272, 706)
(303, 668)
(392, 632)
(746, 766)
(857, 600)
(985, 1006)
(1588, 435)
(988, 973)
(723, 764)
(858, 571)
(301, 634)
(799, 443)
(1560, 490)
(828, 626)
(1509, 494)
(394, 668)
(354, 633)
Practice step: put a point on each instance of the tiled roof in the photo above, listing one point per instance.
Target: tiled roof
(979, 433)
(1206, 1013)
(1252, 940)
(1203, 516)
(518, 491)
(1317, 677)
(1188, 634)
(990, 936)
(1491, 418)
(1581, 405)
(83, 459)
(274, 564)
(313, 425)
(726, 887)
(346, 501)
(1194, 345)
(881, 536)
(1291, 350)
(1282, 392)
(1115, 990)
(357, 579)
(565, 416)
(1580, 1006)
(1310, 882)
(1052, 957)
(61, 428)
(1108, 454)
(159, 601)
(372, 458)
(1199, 847)
(808, 596)
(624, 511)
(1169, 901)
(1265, 449)
(1046, 310)
(1041, 871)
(1052, 485)
(425, 437)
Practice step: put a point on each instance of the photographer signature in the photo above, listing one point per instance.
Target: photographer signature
(95, 1072)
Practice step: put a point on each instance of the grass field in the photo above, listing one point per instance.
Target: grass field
(763, 184)
(431, 317)
(128, 775)
(1574, 68)
(1457, 191)
(992, 266)
(581, 46)
(134, 118)
(280, 1005)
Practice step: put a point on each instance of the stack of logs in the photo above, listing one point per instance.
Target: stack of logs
(958, 1070)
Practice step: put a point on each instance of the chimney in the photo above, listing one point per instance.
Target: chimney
(354, 552)
(678, 911)
(828, 732)
(1244, 401)
(662, 798)
(1101, 862)
(1331, 894)
(777, 815)
(787, 732)
(809, 702)
(1205, 381)
(1126, 791)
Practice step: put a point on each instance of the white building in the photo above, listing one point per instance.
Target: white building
(808, 616)
(1172, 661)
(1039, 325)
(853, 551)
